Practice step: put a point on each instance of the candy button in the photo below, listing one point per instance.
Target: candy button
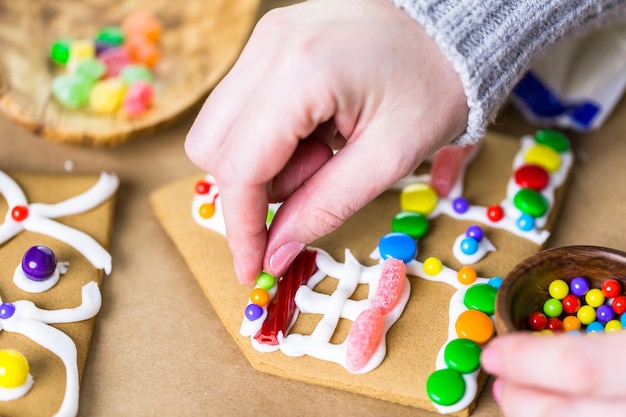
(531, 202)
(259, 296)
(6, 310)
(469, 246)
(553, 139)
(475, 231)
(19, 213)
(270, 216)
(399, 246)
(526, 222)
(432, 266)
(467, 275)
(495, 213)
(39, 263)
(411, 223)
(579, 286)
(495, 282)
(474, 325)
(462, 355)
(481, 297)
(460, 205)
(543, 156)
(203, 187)
(13, 368)
(206, 210)
(265, 281)
(531, 176)
(253, 312)
(445, 386)
(418, 197)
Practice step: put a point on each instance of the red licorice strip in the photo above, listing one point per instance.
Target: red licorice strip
(281, 309)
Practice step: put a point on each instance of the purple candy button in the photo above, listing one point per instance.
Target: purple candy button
(39, 263)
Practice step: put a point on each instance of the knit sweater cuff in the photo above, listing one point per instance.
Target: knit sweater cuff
(490, 43)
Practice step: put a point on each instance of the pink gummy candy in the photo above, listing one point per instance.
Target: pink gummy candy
(138, 98)
(114, 59)
(364, 338)
(389, 285)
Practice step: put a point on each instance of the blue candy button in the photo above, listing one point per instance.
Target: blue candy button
(399, 246)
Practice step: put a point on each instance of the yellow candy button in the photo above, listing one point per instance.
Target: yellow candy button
(474, 325)
(544, 156)
(13, 368)
(419, 198)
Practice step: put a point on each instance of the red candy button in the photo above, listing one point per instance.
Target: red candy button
(532, 176)
(19, 213)
(495, 213)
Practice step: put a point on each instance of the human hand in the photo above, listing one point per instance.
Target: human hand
(564, 375)
(447, 165)
(358, 73)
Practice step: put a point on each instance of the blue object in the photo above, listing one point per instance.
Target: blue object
(398, 246)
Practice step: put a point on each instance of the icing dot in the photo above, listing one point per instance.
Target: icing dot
(543, 156)
(531, 202)
(474, 325)
(619, 304)
(467, 275)
(475, 231)
(552, 138)
(460, 205)
(579, 286)
(586, 314)
(19, 213)
(206, 210)
(537, 321)
(481, 297)
(399, 246)
(259, 297)
(265, 281)
(418, 197)
(13, 368)
(605, 313)
(39, 263)
(558, 289)
(253, 312)
(445, 386)
(432, 266)
(469, 246)
(495, 213)
(612, 326)
(594, 297)
(413, 224)
(571, 304)
(526, 222)
(203, 187)
(571, 323)
(552, 307)
(6, 310)
(462, 355)
(531, 176)
(611, 288)
(495, 282)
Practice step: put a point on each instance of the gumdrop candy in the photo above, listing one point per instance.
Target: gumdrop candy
(143, 23)
(80, 50)
(143, 51)
(136, 72)
(60, 51)
(115, 59)
(138, 98)
(111, 35)
(106, 95)
(92, 69)
(71, 90)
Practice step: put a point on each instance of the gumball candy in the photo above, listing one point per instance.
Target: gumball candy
(619, 304)
(39, 263)
(571, 323)
(553, 307)
(613, 326)
(14, 368)
(611, 288)
(595, 327)
(72, 91)
(605, 313)
(537, 321)
(555, 324)
(558, 289)
(571, 304)
(138, 98)
(143, 23)
(594, 297)
(586, 314)
(579, 286)
(622, 320)
(107, 95)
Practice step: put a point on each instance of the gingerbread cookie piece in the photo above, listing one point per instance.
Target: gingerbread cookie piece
(347, 318)
(54, 241)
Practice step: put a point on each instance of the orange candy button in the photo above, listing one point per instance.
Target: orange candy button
(474, 325)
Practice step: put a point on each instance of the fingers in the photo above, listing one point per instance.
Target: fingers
(588, 366)
(447, 167)
(521, 401)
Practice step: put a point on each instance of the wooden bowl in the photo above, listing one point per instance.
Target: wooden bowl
(201, 39)
(525, 288)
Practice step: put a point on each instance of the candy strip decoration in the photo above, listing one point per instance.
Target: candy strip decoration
(36, 217)
(33, 322)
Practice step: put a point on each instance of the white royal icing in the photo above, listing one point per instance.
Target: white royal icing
(484, 246)
(26, 284)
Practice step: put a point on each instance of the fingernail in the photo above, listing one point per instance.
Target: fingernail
(491, 360)
(237, 273)
(284, 255)
(498, 386)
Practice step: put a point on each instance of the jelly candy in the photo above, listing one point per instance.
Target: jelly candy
(143, 23)
(106, 95)
(138, 98)
(71, 90)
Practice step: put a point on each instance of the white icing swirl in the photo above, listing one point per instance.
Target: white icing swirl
(484, 246)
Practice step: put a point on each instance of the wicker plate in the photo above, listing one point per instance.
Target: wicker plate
(201, 40)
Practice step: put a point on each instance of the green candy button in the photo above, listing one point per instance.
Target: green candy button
(552, 138)
(409, 222)
(481, 297)
(531, 202)
(265, 281)
(462, 355)
(445, 386)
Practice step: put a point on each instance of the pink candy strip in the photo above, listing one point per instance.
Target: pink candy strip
(389, 285)
(364, 338)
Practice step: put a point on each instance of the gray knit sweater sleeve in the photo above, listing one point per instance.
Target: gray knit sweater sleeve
(490, 43)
